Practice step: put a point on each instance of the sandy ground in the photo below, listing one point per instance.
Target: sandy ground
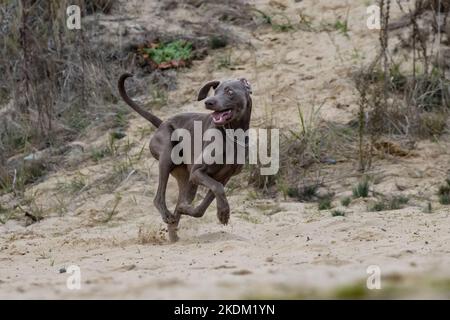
(272, 247)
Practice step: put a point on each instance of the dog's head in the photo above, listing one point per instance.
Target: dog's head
(231, 101)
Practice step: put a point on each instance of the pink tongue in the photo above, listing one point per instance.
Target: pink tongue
(221, 117)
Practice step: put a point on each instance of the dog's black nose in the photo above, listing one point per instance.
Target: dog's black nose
(210, 103)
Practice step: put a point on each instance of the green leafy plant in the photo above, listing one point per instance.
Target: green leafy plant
(175, 50)
(342, 27)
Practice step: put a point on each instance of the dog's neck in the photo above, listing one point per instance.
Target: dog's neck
(244, 121)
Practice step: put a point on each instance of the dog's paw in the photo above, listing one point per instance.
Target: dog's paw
(224, 215)
(171, 219)
(186, 209)
(172, 232)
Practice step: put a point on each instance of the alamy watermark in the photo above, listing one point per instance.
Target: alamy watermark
(73, 282)
(374, 19)
(73, 21)
(227, 146)
(374, 280)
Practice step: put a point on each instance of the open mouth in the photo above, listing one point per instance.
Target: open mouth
(220, 117)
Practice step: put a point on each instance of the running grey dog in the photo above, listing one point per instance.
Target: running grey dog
(231, 106)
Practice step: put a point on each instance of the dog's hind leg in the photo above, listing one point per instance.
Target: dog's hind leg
(160, 197)
(161, 149)
(165, 167)
(186, 194)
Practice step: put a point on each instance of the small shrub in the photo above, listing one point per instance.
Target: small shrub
(109, 214)
(444, 193)
(112, 146)
(309, 192)
(431, 92)
(217, 42)
(75, 185)
(5, 215)
(361, 190)
(224, 61)
(27, 173)
(117, 135)
(325, 203)
(97, 155)
(266, 18)
(397, 79)
(278, 21)
(31, 208)
(282, 27)
(120, 119)
(378, 206)
(432, 124)
(394, 203)
(338, 213)
(444, 199)
(292, 192)
(159, 97)
(76, 118)
(305, 193)
(397, 202)
(104, 6)
(346, 201)
(33, 170)
(428, 208)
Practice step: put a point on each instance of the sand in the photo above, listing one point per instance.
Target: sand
(271, 247)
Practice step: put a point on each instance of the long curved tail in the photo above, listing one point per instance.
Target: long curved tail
(147, 115)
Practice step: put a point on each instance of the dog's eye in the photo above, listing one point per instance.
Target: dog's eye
(229, 92)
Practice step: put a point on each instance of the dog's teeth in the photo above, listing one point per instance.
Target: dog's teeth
(221, 116)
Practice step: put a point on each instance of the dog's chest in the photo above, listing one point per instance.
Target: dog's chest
(224, 172)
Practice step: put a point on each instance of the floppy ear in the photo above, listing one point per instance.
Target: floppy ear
(205, 89)
(246, 84)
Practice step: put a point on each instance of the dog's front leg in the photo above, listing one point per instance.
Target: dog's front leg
(200, 177)
(198, 211)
